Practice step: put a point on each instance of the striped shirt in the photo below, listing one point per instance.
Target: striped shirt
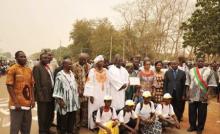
(66, 89)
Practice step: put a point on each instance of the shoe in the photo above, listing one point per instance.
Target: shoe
(199, 132)
(164, 129)
(53, 125)
(191, 129)
(52, 132)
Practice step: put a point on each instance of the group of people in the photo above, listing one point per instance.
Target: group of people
(3, 68)
(116, 98)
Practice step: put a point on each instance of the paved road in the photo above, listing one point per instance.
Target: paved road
(212, 126)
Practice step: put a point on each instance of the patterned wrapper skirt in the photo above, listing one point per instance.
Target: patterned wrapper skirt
(154, 128)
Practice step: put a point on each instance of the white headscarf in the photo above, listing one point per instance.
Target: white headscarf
(98, 58)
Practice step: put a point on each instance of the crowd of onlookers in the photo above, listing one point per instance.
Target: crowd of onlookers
(3, 67)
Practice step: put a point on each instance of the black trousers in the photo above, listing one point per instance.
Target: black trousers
(183, 108)
(53, 114)
(45, 112)
(58, 121)
(67, 122)
(124, 130)
(197, 112)
(177, 106)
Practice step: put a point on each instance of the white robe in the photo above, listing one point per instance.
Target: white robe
(118, 77)
(94, 89)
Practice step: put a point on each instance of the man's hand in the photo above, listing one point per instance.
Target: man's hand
(178, 125)
(150, 121)
(133, 131)
(108, 131)
(206, 97)
(61, 103)
(183, 98)
(137, 87)
(136, 128)
(17, 106)
(123, 87)
(115, 123)
(91, 99)
(80, 91)
(32, 104)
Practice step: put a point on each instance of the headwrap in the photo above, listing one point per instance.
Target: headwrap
(98, 58)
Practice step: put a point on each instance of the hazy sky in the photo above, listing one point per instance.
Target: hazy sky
(31, 25)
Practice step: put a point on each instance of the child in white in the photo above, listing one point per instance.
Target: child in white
(128, 119)
(166, 113)
(146, 116)
(106, 118)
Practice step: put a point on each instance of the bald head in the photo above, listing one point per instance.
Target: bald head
(83, 58)
(83, 55)
(117, 60)
(67, 64)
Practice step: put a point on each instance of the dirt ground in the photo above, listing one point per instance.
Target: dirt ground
(212, 123)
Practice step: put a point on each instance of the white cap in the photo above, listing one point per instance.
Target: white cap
(167, 96)
(107, 97)
(146, 94)
(129, 103)
(98, 58)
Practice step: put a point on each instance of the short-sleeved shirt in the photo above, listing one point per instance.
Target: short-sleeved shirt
(195, 93)
(145, 111)
(106, 116)
(21, 79)
(125, 118)
(165, 110)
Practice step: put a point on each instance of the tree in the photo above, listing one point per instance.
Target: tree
(103, 35)
(202, 29)
(151, 27)
(81, 36)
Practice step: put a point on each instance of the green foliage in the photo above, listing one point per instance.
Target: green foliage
(94, 37)
(6, 55)
(81, 35)
(202, 29)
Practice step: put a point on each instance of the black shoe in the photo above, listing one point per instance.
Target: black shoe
(199, 132)
(191, 129)
(53, 125)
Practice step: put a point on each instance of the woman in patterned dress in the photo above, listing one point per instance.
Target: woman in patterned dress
(158, 92)
(147, 78)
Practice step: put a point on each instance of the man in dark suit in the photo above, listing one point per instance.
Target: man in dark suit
(43, 89)
(174, 83)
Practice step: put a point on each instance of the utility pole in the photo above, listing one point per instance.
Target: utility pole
(123, 48)
(110, 55)
(60, 51)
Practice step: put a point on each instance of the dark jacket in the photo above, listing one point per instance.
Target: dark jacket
(43, 88)
(169, 82)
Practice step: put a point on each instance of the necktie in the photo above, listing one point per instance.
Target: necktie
(174, 74)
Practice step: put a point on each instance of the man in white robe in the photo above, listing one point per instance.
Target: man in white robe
(96, 87)
(119, 79)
